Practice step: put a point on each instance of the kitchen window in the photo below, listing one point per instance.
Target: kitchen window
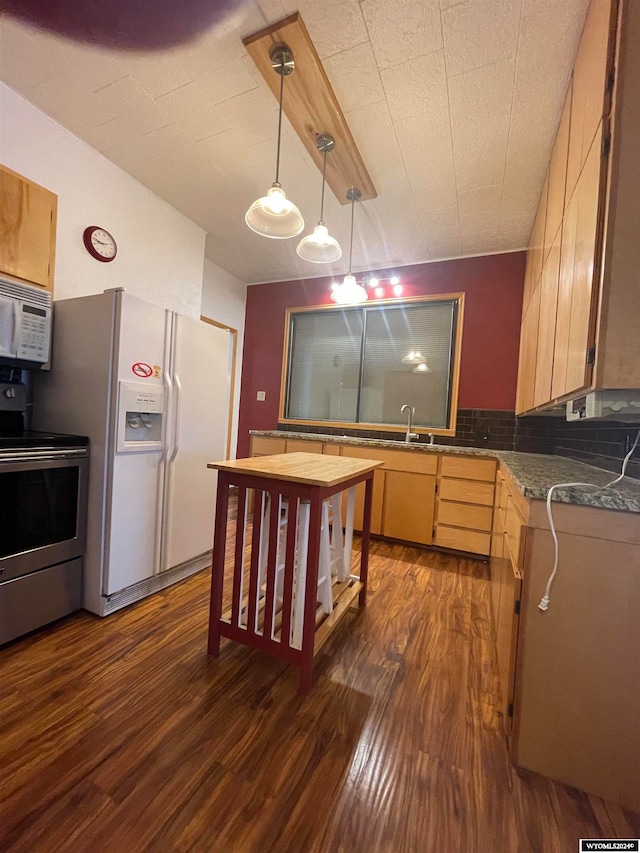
(359, 365)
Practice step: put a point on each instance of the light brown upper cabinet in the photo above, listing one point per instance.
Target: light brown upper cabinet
(590, 74)
(557, 178)
(582, 291)
(27, 229)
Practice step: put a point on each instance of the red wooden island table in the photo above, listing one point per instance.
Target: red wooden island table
(285, 556)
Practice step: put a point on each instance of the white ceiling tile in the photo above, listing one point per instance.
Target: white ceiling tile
(523, 205)
(444, 219)
(94, 67)
(425, 131)
(230, 153)
(354, 77)
(402, 31)
(548, 40)
(425, 143)
(68, 102)
(480, 116)
(434, 196)
(416, 86)
(334, 25)
(130, 101)
(446, 243)
(516, 229)
(215, 49)
(192, 109)
(480, 198)
(157, 78)
(271, 10)
(375, 136)
(480, 33)
(232, 79)
(254, 114)
(116, 135)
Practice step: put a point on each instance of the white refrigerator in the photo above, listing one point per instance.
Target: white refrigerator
(151, 389)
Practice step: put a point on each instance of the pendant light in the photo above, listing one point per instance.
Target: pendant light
(320, 247)
(274, 215)
(350, 292)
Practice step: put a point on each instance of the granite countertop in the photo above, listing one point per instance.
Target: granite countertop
(532, 473)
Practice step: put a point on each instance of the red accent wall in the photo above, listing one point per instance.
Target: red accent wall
(493, 286)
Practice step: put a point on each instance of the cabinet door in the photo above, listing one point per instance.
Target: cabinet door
(584, 290)
(27, 229)
(558, 176)
(547, 325)
(528, 353)
(409, 501)
(536, 243)
(565, 288)
(589, 84)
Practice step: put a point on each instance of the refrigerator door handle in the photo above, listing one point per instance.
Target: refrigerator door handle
(163, 479)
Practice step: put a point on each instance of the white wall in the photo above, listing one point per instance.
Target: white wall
(223, 299)
(160, 252)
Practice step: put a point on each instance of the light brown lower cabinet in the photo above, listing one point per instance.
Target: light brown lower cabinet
(404, 492)
(571, 673)
(465, 503)
(506, 591)
(409, 502)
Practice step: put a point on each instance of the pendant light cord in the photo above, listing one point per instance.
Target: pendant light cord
(280, 121)
(353, 201)
(324, 170)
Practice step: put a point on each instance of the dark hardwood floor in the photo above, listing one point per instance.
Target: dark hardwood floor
(120, 735)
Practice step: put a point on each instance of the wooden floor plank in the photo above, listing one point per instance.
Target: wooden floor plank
(119, 734)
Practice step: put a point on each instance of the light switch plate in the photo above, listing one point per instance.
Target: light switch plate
(260, 396)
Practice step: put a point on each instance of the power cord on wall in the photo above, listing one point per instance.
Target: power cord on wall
(544, 601)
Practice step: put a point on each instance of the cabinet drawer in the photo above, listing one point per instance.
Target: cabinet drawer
(302, 446)
(463, 540)
(331, 449)
(415, 462)
(467, 491)
(473, 517)
(263, 446)
(467, 468)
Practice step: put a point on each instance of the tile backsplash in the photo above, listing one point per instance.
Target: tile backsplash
(600, 443)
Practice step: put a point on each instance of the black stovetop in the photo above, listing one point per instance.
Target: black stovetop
(31, 439)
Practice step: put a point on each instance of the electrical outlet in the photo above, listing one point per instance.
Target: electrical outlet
(261, 396)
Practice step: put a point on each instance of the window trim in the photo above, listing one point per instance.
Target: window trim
(455, 373)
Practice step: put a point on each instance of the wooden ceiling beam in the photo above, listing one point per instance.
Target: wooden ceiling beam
(310, 104)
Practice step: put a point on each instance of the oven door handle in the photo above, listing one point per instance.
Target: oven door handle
(41, 456)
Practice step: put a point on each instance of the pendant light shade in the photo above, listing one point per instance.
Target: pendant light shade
(274, 215)
(319, 247)
(350, 292)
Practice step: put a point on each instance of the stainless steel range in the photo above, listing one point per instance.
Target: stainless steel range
(43, 497)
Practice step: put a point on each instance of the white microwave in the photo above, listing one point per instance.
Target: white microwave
(25, 325)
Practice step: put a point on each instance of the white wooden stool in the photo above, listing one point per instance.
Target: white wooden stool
(331, 563)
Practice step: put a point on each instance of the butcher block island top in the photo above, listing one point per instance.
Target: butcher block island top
(310, 468)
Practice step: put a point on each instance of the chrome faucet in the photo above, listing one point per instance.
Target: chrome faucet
(410, 435)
